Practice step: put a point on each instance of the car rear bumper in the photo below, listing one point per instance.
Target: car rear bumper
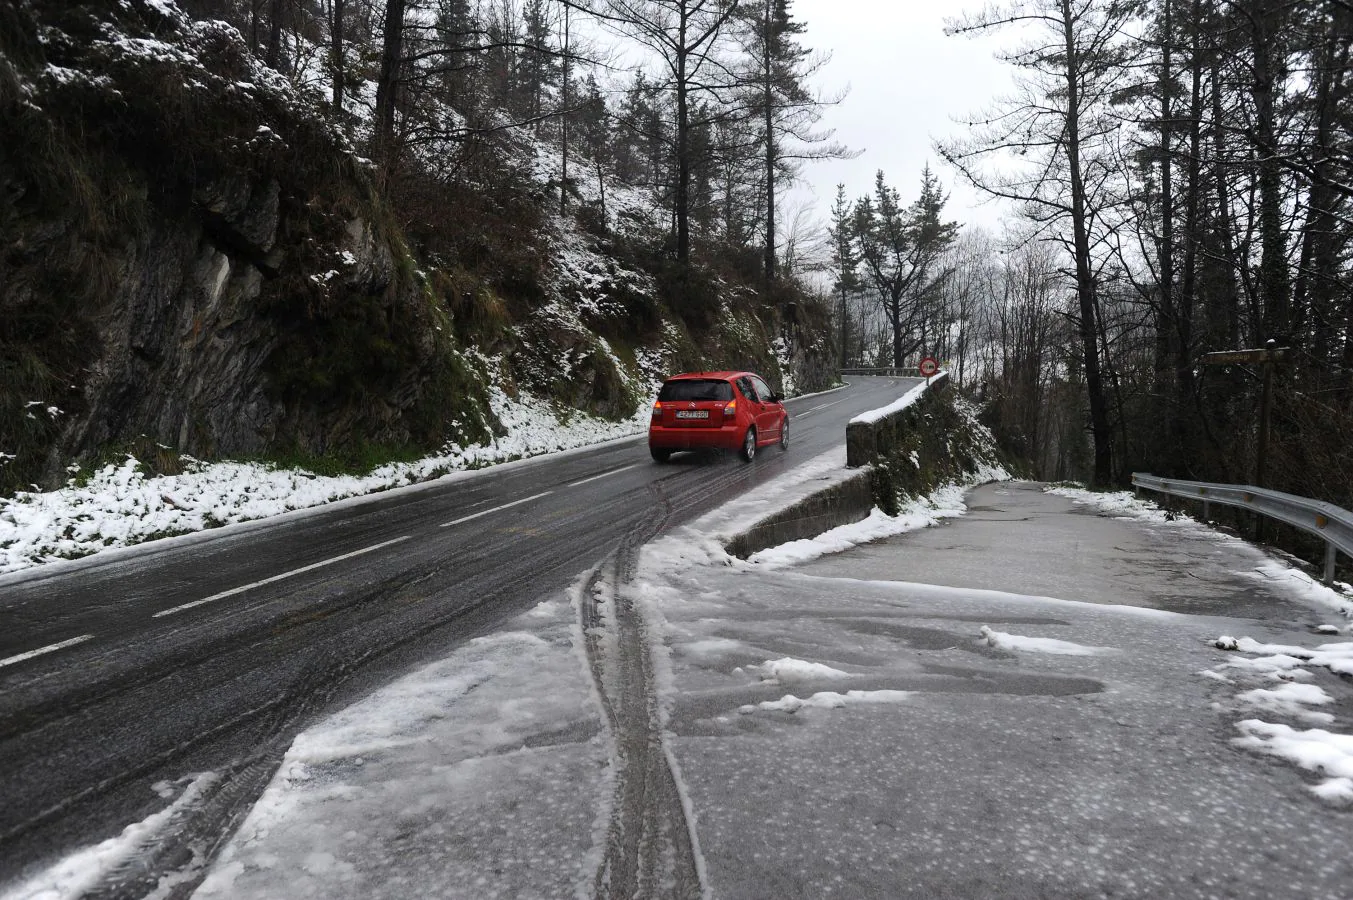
(727, 437)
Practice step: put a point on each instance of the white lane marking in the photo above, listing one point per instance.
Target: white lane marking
(11, 660)
(603, 475)
(248, 587)
(497, 508)
(822, 406)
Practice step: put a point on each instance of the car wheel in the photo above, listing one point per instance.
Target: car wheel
(748, 452)
(660, 456)
(784, 434)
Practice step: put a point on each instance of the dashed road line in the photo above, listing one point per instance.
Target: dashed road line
(821, 406)
(497, 509)
(603, 475)
(50, 648)
(248, 587)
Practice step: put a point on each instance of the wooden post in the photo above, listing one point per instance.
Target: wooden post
(1265, 418)
(1267, 359)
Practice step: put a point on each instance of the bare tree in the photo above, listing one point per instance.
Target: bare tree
(685, 35)
(1055, 126)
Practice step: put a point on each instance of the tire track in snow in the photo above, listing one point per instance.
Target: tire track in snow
(650, 849)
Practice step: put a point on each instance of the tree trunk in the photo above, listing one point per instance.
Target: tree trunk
(336, 50)
(273, 57)
(563, 169)
(769, 124)
(1273, 278)
(1085, 279)
(387, 83)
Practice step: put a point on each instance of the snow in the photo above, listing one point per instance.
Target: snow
(1290, 700)
(824, 700)
(915, 513)
(119, 505)
(1337, 656)
(1315, 750)
(80, 872)
(1003, 641)
(788, 670)
(906, 400)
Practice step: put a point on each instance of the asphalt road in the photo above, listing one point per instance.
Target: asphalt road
(210, 653)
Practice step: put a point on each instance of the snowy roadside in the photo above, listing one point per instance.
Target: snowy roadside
(119, 505)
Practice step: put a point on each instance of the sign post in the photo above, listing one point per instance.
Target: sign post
(928, 368)
(1267, 358)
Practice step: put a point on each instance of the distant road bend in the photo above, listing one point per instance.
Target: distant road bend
(209, 654)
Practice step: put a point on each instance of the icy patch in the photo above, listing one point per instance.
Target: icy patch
(1003, 641)
(1293, 582)
(825, 700)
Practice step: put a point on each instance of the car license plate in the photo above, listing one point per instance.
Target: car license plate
(692, 414)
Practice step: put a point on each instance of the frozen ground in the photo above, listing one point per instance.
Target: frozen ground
(855, 734)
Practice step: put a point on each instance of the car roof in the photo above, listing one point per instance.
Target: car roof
(722, 376)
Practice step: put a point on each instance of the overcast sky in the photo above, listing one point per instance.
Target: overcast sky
(907, 81)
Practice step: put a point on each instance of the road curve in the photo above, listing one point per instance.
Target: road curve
(210, 653)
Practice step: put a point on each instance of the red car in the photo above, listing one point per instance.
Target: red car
(717, 410)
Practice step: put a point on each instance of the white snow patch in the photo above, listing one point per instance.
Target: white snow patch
(1290, 700)
(946, 502)
(906, 400)
(790, 671)
(825, 700)
(1337, 656)
(1316, 750)
(1003, 641)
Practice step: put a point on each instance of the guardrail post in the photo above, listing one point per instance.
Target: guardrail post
(1207, 511)
(1330, 553)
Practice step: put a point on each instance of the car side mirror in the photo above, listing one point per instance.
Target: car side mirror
(776, 398)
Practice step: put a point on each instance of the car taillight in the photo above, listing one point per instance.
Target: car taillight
(731, 409)
(657, 410)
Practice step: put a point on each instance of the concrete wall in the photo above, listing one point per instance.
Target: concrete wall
(866, 442)
(906, 454)
(842, 503)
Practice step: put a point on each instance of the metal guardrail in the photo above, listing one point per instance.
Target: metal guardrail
(900, 371)
(1324, 520)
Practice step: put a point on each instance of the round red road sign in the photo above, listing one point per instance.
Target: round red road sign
(929, 366)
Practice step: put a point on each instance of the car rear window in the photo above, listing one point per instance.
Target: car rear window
(696, 389)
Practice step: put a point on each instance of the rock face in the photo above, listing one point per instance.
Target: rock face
(182, 350)
(224, 288)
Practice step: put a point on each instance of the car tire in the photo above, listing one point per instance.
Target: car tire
(784, 434)
(660, 456)
(748, 451)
